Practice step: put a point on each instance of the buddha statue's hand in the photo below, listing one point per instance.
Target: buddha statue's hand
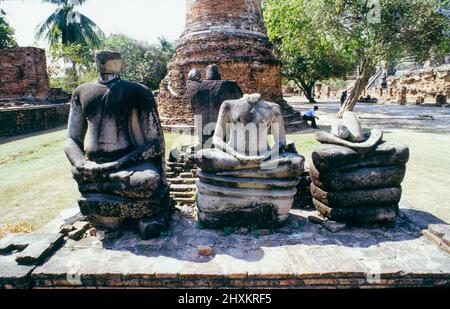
(254, 159)
(92, 168)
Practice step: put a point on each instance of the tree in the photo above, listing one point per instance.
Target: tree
(144, 63)
(79, 55)
(382, 31)
(6, 32)
(307, 55)
(74, 27)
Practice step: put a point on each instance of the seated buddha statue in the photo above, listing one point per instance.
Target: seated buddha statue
(116, 148)
(243, 181)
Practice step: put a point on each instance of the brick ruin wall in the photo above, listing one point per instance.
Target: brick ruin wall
(23, 73)
(419, 86)
(15, 121)
(242, 14)
(251, 77)
(230, 34)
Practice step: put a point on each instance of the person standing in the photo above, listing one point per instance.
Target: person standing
(310, 115)
(343, 97)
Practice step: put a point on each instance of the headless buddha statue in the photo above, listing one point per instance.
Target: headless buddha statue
(243, 181)
(116, 147)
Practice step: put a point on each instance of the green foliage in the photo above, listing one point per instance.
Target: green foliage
(228, 230)
(81, 68)
(385, 30)
(73, 26)
(165, 234)
(199, 226)
(6, 32)
(307, 55)
(144, 63)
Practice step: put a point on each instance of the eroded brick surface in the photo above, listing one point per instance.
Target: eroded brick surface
(23, 73)
(231, 34)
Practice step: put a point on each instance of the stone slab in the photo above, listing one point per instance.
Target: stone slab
(38, 250)
(13, 275)
(296, 255)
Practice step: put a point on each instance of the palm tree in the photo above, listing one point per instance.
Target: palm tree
(73, 27)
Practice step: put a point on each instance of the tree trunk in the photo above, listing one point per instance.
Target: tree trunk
(361, 82)
(307, 89)
(74, 72)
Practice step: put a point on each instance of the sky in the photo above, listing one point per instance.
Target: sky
(144, 20)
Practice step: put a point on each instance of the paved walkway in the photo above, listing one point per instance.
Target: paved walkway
(301, 254)
(385, 116)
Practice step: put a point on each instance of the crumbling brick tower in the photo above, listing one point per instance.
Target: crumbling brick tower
(231, 34)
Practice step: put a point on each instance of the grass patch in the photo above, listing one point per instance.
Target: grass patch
(36, 182)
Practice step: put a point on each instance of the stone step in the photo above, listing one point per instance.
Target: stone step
(183, 187)
(185, 181)
(185, 199)
(177, 194)
(175, 164)
(187, 175)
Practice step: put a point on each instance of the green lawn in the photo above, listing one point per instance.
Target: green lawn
(36, 181)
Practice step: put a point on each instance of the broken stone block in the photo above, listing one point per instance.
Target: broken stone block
(153, 226)
(333, 226)
(37, 251)
(13, 275)
(204, 250)
(12, 242)
(80, 227)
(315, 219)
(92, 232)
(66, 229)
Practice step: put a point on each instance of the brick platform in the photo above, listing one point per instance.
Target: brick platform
(300, 255)
(23, 120)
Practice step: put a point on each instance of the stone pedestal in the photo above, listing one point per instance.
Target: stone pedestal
(358, 187)
(224, 201)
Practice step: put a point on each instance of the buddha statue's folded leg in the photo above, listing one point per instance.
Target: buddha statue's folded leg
(286, 164)
(139, 182)
(217, 160)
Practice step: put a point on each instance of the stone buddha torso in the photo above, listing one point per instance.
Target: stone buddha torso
(112, 113)
(249, 123)
(116, 147)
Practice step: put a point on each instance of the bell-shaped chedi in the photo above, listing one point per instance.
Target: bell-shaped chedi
(231, 34)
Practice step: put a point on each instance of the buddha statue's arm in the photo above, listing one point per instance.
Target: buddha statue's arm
(76, 132)
(221, 133)
(278, 133)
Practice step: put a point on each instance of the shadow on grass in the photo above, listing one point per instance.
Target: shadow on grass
(9, 139)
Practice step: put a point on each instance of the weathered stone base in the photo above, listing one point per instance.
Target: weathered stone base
(299, 255)
(121, 207)
(224, 206)
(151, 227)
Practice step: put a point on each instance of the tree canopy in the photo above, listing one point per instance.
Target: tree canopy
(371, 31)
(73, 26)
(307, 55)
(144, 63)
(6, 32)
(383, 31)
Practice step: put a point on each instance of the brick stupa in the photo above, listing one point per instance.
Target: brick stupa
(231, 34)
